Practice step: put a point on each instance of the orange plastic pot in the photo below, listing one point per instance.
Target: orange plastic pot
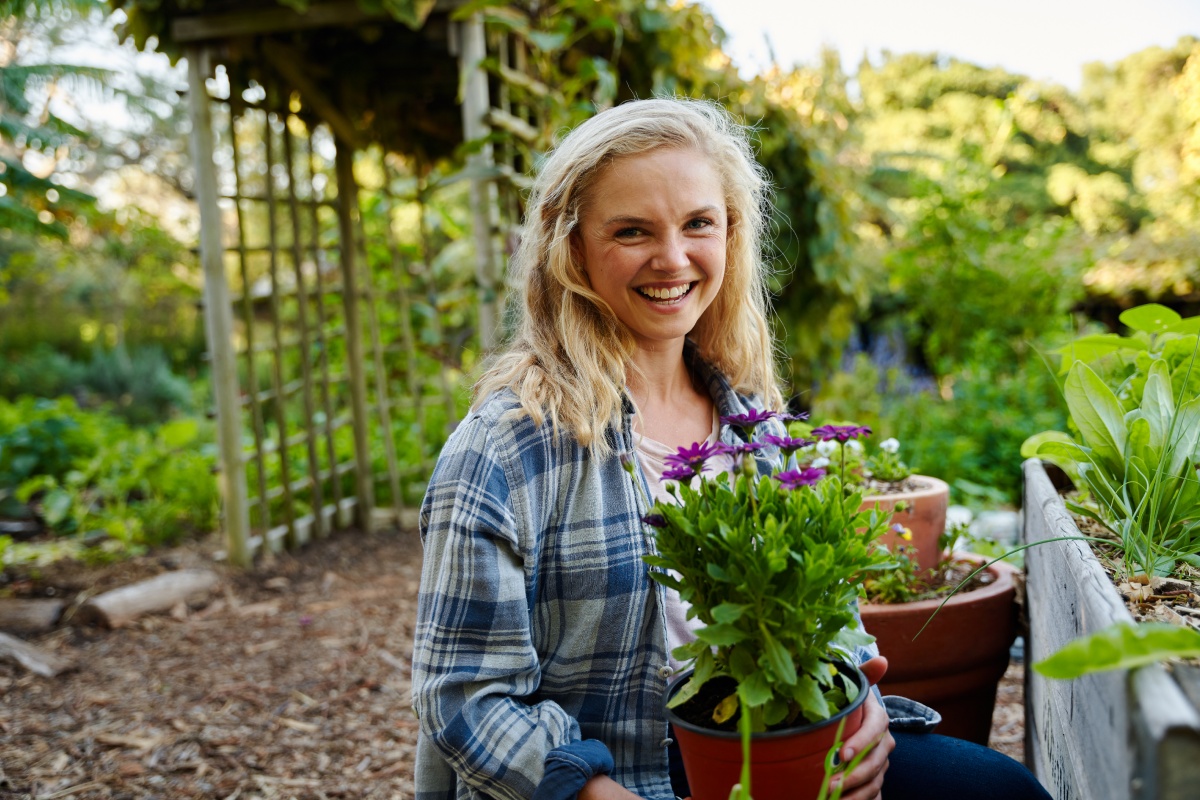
(957, 661)
(783, 764)
(924, 515)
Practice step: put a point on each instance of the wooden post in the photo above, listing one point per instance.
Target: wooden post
(475, 107)
(347, 212)
(218, 316)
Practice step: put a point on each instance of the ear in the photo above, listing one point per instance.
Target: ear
(575, 240)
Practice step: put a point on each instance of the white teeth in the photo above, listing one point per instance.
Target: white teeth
(674, 293)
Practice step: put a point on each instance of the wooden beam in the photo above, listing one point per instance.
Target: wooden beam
(279, 19)
(218, 315)
(348, 212)
(288, 63)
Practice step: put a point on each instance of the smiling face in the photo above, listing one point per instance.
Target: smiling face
(652, 242)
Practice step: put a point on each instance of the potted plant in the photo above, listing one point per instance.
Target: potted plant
(771, 565)
(948, 654)
(1134, 403)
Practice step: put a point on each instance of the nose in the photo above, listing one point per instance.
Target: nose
(672, 255)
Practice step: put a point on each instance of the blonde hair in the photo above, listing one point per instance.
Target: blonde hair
(571, 356)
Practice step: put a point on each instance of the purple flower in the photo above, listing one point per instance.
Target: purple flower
(841, 433)
(678, 474)
(795, 478)
(801, 417)
(741, 448)
(655, 520)
(786, 443)
(746, 422)
(693, 457)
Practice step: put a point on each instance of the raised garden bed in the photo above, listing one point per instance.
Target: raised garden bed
(1118, 734)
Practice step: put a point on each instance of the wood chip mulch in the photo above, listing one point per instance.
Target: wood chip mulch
(293, 682)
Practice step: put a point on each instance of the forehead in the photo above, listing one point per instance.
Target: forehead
(684, 171)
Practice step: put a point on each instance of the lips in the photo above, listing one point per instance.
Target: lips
(665, 294)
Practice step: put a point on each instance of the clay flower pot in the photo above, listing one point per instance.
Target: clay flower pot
(786, 763)
(925, 516)
(956, 662)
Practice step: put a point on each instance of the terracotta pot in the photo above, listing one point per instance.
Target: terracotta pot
(784, 764)
(925, 516)
(956, 662)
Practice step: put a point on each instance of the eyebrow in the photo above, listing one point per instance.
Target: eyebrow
(626, 219)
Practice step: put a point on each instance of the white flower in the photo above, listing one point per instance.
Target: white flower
(854, 445)
(820, 462)
(889, 446)
(827, 448)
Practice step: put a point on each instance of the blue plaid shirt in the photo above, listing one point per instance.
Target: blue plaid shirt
(541, 643)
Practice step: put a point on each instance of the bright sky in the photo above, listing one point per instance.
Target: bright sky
(1046, 39)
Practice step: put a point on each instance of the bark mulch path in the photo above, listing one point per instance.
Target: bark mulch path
(293, 682)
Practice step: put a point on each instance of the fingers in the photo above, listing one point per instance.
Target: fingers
(865, 781)
(874, 669)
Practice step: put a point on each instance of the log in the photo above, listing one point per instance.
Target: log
(161, 593)
(35, 659)
(29, 616)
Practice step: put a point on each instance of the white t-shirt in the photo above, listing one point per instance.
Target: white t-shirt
(652, 455)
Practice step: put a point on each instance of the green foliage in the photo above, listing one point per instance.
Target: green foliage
(117, 488)
(139, 385)
(1136, 453)
(968, 434)
(1121, 646)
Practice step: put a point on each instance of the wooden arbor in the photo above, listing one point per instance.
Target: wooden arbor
(337, 308)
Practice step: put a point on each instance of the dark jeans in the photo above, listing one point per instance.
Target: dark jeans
(925, 766)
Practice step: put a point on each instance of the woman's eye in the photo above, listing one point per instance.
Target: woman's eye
(697, 224)
(627, 233)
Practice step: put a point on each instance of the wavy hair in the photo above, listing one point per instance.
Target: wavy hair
(571, 357)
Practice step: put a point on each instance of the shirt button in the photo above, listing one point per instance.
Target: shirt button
(666, 742)
(664, 672)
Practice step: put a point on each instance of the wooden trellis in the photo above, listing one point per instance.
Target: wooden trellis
(335, 375)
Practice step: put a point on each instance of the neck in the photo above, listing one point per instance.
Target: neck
(661, 375)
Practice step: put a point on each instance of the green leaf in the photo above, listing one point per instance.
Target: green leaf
(56, 507)
(1029, 448)
(725, 709)
(728, 612)
(1185, 437)
(1093, 348)
(1121, 646)
(778, 657)
(721, 635)
(1097, 412)
(686, 693)
(1158, 406)
(179, 433)
(812, 702)
(1151, 318)
(755, 690)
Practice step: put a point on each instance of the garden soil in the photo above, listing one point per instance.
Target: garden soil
(292, 682)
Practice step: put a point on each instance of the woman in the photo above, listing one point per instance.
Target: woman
(542, 647)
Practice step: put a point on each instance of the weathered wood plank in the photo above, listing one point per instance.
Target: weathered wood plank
(33, 658)
(279, 19)
(160, 593)
(1107, 735)
(19, 615)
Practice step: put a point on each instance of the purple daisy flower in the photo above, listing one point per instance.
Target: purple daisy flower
(840, 433)
(693, 457)
(786, 443)
(678, 474)
(801, 417)
(655, 520)
(795, 478)
(747, 422)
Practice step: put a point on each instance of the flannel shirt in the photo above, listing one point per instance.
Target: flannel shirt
(540, 638)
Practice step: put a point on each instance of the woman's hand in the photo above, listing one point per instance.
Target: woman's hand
(865, 782)
(602, 787)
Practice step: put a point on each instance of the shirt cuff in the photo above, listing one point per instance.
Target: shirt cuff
(570, 766)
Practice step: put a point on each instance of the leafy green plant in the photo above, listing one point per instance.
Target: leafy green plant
(1137, 466)
(1121, 646)
(771, 565)
(885, 464)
